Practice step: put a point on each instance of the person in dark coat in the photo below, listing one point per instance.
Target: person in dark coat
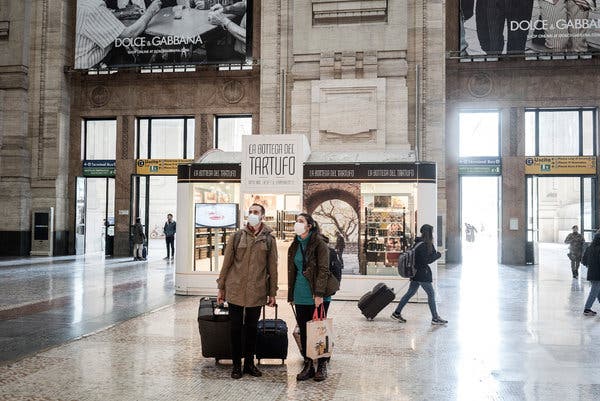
(591, 258)
(308, 279)
(425, 253)
(138, 239)
(575, 241)
(492, 16)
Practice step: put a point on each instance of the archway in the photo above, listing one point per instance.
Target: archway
(336, 207)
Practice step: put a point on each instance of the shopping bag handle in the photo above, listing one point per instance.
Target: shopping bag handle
(319, 313)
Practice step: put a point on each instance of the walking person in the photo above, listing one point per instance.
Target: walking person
(248, 281)
(169, 230)
(575, 241)
(308, 273)
(425, 253)
(138, 239)
(591, 258)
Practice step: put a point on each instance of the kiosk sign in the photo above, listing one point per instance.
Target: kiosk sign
(272, 163)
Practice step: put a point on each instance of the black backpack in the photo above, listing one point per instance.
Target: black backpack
(336, 264)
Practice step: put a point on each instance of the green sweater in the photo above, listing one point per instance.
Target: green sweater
(302, 292)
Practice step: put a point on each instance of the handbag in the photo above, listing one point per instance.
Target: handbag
(319, 335)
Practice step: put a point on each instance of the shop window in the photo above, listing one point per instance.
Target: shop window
(229, 131)
(165, 138)
(99, 139)
(479, 133)
(560, 132)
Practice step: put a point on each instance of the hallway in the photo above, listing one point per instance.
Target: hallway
(514, 333)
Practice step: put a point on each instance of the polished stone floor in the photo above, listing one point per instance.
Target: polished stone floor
(515, 333)
(48, 301)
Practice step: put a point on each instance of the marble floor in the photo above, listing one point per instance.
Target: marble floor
(515, 333)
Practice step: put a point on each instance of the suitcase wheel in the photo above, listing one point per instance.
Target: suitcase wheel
(283, 361)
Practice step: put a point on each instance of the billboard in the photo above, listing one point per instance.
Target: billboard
(117, 33)
(490, 27)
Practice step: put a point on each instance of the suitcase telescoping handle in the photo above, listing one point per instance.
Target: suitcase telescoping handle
(265, 308)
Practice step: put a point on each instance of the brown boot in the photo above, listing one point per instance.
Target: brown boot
(307, 372)
(321, 373)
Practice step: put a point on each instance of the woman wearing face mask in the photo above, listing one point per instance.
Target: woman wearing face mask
(308, 271)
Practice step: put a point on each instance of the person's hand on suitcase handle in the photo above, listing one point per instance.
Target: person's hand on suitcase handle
(220, 297)
(272, 301)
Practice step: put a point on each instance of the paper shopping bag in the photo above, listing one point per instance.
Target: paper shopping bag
(319, 335)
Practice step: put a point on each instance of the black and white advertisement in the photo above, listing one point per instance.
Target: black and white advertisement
(119, 33)
(491, 27)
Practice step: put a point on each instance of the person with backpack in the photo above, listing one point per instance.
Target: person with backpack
(425, 253)
(138, 240)
(309, 284)
(591, 258)
(248, 281)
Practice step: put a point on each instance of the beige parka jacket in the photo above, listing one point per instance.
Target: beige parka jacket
(249, 272)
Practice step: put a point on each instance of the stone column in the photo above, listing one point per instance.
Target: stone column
(124, 168)
(270, 53)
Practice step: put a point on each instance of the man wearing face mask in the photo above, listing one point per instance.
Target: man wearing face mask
(248, 281)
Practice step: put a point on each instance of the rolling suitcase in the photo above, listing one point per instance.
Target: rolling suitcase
(271, 338)
(214, 328)
(375, 300)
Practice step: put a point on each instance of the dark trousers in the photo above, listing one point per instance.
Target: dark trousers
(170, 240)
(304, 314)
(575, 267)
(243, 332)
(491, 16)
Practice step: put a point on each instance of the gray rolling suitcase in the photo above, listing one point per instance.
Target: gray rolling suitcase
(214, 327)
(375, 300)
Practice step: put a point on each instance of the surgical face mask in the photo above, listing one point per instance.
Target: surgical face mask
(254, 220)
(299, 228)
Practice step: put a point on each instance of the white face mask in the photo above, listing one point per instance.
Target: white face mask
(299, 228)
(254, 220)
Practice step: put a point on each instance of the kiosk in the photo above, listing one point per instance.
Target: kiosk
(388, 200)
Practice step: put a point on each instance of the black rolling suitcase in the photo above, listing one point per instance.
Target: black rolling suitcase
(375, 300)
(214, 327)
(271, 338)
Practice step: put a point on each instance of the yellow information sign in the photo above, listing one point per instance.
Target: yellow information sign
(561, 165)
(159, 166)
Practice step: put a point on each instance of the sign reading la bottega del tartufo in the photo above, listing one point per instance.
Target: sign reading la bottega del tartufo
(273, 163)
(490, 27)
(121, 33)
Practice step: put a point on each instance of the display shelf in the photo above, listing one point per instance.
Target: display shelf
(385, 236)
(285, 224)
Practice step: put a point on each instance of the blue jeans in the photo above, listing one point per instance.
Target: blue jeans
(594, 294)
(412, 290)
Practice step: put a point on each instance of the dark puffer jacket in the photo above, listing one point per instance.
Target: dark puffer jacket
(591, 258)
(422, 259)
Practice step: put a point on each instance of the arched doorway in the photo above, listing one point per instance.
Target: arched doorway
(336, 206)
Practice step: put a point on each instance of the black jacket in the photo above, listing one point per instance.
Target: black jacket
(422, 259)
(591, 258)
